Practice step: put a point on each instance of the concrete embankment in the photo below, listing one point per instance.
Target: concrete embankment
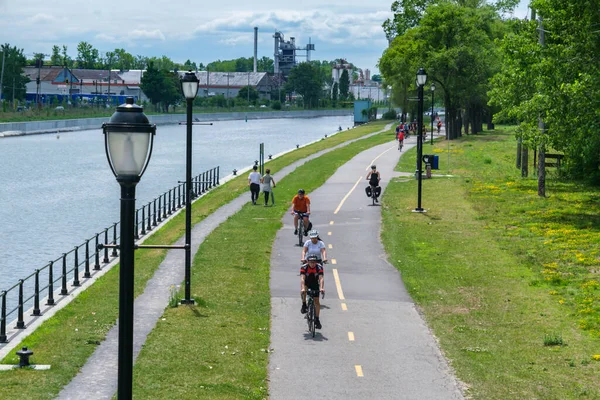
(35, 127)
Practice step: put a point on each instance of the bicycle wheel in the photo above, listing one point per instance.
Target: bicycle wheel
(300, 231)
(373, 194)
(311, 317)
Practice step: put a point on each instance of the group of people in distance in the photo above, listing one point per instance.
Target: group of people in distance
(314, 252)
(267, 181)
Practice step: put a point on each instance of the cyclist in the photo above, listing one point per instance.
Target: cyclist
(373, 177)
(314, 246)
(311, 277)
(301, 207)
(400, 139)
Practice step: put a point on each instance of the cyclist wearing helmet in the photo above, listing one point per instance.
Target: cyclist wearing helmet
(373, 177)
(311, 276)
(314, 246)
(301, 207)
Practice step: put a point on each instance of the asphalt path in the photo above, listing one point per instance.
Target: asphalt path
(374, 343)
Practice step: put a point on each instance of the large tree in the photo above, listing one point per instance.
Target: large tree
(87, 56)
(14, 81)
(305, 80)
(153, 83)
(344, 85)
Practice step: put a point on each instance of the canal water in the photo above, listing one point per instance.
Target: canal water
(58, 190)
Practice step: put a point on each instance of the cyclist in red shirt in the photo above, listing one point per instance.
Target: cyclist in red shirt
(311, 277)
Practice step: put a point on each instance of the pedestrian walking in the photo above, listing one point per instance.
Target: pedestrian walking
(268, 183)
(254, 183)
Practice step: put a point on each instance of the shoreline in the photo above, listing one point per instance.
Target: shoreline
(12, 129)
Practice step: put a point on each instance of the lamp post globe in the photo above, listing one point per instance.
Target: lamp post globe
(190, 85)
(128, 141)
(189, 88)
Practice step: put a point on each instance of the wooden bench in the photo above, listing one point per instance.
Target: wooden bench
(557, 157)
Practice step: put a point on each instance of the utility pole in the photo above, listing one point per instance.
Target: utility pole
(542, 128)
(2, 74)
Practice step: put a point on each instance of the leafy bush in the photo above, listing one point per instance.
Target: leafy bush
(276, 105)
(390, 114)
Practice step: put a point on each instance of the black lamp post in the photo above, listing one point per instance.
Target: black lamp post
(432, 97)
(189, 87)
(421, 79)
(128, 139)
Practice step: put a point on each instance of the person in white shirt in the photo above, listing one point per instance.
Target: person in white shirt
(254, 183)
(315, 246)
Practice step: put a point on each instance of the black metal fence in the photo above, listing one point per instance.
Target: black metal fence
(65, 272)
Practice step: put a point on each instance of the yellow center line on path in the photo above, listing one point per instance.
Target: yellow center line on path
(351, 336)
(344, 307)
(359, 371)
(375, 159)
(333, 261)
(330, 246)
(338, 285)
(330, 222)
(347, 195)
(328, 233)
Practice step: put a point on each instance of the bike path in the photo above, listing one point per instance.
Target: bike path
(374, 344)
(97, 379)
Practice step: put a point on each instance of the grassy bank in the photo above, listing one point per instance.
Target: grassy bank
(69, 338)
(507, 281)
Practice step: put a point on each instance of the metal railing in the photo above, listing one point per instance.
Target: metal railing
(79, 263)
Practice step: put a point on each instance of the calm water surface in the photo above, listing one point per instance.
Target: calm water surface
(57, 192)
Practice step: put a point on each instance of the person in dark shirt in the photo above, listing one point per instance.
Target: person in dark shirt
(311, 277)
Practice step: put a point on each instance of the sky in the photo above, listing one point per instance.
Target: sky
(202, 31)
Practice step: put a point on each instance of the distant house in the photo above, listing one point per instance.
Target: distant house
(62, 81)
(229, 84)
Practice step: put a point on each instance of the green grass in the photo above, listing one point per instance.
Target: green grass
(506, 280)
(228, 356)
(69, 338)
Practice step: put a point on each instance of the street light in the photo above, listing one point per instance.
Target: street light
(189, 87)
(128, 139)
(421, 79)
(432, 97)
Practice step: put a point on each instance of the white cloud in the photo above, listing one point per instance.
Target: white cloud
(144, 34)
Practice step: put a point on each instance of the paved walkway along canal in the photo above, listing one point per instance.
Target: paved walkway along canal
(373, 344)
(99, 375)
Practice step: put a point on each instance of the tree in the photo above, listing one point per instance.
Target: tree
(13, 82)
(248, 91)
(376, 78)
(56, 58)
(171, 92)
(335, 93)
(189, 66)
(265, 64)
(87, 56)
(152, 83)
(66, 60)
(305, 80)
(344, 85)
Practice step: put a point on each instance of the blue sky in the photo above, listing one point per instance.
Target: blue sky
(201, 31)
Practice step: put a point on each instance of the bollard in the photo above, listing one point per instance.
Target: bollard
(105, 260)
(97, 255)
(154, 214)
(270, 156)
(149, 228)
(297, 146)
(169, 204)
(114, 251)
(20, 321)
(76, 269)
(50, 301)
(36, 295)
(164, 206)
(3, 318)
(136, 233)
(179, 196)
(63, 289)
(235, 171)
(159, 210)
(143, 220)
(24, 355)
(87, 274)
(218, 173)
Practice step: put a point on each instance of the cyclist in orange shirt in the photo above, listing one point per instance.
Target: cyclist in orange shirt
(300, 208)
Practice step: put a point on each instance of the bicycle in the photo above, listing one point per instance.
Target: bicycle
(311, 310)
(301, 228)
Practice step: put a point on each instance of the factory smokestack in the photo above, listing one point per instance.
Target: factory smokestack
(255, 46)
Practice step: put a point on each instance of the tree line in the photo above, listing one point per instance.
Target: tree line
(541, 73)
